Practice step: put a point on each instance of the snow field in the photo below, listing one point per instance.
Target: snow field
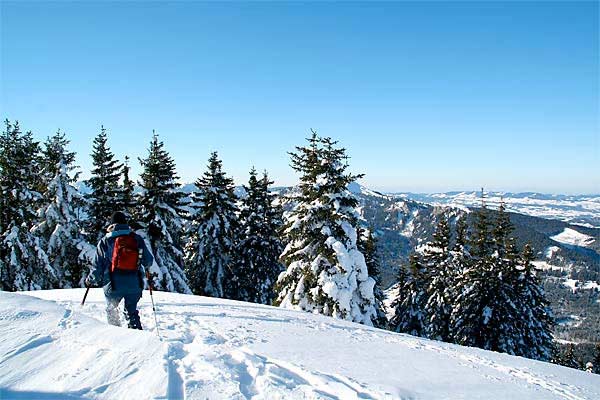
(582, 210)
(572, 237)
(220, 349)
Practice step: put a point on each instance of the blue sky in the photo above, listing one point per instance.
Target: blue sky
(427, 96)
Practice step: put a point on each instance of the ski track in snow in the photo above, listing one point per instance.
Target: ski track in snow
(214, 349)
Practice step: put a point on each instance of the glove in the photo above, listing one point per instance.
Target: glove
(88, 282)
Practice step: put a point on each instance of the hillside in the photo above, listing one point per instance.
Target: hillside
(402, 223)
(219, 349)
(567, 254)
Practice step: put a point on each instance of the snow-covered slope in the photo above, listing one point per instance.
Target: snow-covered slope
(572, 237)
(220, 349)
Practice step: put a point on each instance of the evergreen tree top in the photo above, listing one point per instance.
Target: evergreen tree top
(502, 229)
(325, 203)
(55, 154)
(102, 156)
(481, 240)
(215, 189)
(106, 169)
(461, 234)
(159, 173)
(214, 176)
(323, 167)
(441, 236)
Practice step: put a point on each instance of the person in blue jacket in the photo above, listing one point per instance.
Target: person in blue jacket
(119, 285)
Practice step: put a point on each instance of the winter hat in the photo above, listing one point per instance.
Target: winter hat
(119, 218)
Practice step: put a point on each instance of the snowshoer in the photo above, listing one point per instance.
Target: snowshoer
(118, 266)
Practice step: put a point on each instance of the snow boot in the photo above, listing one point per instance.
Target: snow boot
(133, 320)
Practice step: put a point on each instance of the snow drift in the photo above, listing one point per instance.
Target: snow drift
(220, 349)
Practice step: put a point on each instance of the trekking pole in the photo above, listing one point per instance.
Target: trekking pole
(153, 307)
(85, 296)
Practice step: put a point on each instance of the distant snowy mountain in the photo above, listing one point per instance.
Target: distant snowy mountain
(404, 220)
(578, 209)
(219, 349)
(575, 209)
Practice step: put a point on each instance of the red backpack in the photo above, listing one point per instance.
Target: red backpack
(125, 254)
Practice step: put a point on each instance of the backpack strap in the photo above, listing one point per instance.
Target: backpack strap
(140, 255)
(110, 274)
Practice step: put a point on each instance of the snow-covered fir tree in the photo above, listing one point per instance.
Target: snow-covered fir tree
(53, 154)
(59, 228)
(426, 294)
(484, 314)
(537, 319)
(409, 306)
(257, 264)
(23, 261)
(103, 185)
(439, 282)
(460, 249)
(367, 245)
(460, 254)
(160, 205)
(500, 304)
(506, 317)
(213, 234)
(326, 273)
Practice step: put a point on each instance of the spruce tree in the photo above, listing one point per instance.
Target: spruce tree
(409, 306)
(367, 245)
(425, 300)
(103, 185)
(8, 174)
(257, 263)
(460, 254)
(537, 320)
(500, 305)
(460, 244)
(508, 318)
(23, 261)
(439, 282)
(213, 234)
(53, 154)
(475, 317)
(161, 211)
(325, 273)
(501, 231)
(59, 229)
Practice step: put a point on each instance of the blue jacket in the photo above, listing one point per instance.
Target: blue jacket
(100, 271)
